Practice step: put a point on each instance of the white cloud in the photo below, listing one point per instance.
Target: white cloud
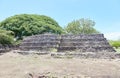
(112, 35)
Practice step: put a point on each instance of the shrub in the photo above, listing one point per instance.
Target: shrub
(115, 44)
(6, 39)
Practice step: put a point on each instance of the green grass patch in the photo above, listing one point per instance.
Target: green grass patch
(117, 49)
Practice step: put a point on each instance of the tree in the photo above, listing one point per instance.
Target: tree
(81, 26)
(30, 24)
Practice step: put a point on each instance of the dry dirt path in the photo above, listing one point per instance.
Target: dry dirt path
(14, 65)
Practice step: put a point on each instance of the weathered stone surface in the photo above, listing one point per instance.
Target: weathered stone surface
(86, 55)
(85, 43)
(81, 43)
(5, 48)
(40, 42)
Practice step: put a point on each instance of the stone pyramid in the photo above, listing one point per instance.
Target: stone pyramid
(82, 43)
(40, 42)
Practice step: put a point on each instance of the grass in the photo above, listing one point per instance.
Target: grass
(118, 49)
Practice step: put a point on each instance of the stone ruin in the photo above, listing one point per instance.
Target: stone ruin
(42, 42)
(62, 43)
(5, 48)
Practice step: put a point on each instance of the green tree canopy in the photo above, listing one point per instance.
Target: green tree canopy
(30, 24)
(81, 26)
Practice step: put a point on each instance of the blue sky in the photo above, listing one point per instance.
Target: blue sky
(106, 13)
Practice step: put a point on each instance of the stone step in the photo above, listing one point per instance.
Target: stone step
(42, 42)
(39, 40)
(52, 46)
(63, 43)
(83, 36)
(87, 49)
(83, 43)
(86, 55)
(43, 37)
(77, 40)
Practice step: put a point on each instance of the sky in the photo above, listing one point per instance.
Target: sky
(106, 13)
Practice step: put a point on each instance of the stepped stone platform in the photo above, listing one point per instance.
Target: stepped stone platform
(69, 46)
(85, 43)
(43, 42)
(5, 48)
(62, 43)
(86, 55)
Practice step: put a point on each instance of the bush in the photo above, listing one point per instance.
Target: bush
(115, 44)
(6, 39)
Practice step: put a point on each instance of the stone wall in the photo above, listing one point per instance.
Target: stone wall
(5, 48)
(40, 42)
(81, 43)
(85, 43)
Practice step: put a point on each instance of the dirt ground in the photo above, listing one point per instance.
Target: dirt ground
(14, 65)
